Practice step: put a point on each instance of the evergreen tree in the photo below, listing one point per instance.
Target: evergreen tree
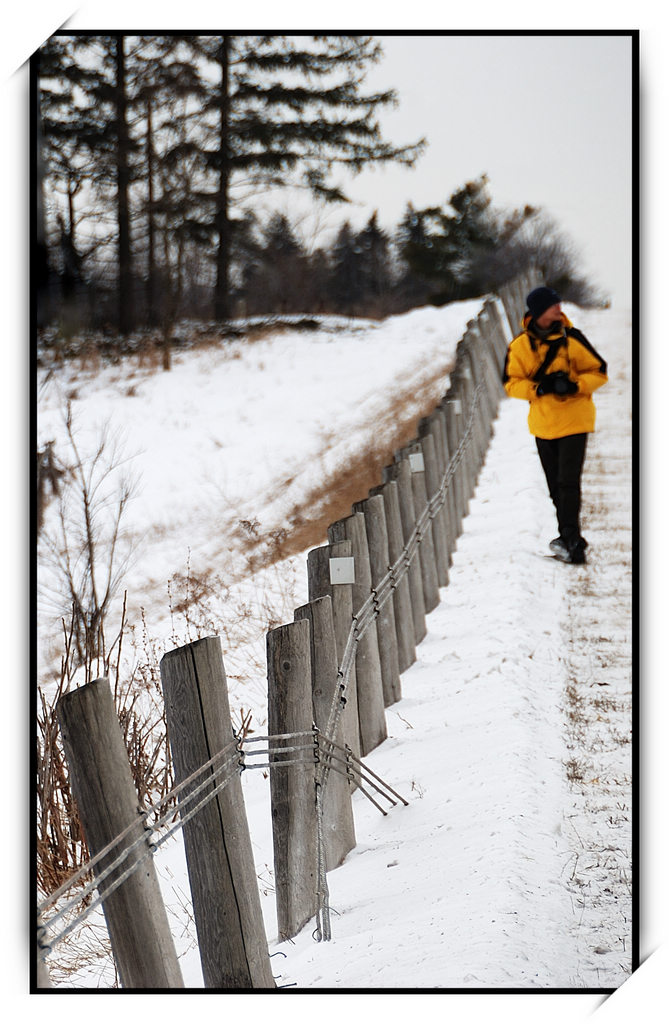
(171, 139)
(163, 81)
(376, 270)
(462, 252)
(413, 246)
(346, 273)
(277, 279)
(72, 130)
(85, 127)
(287, 115)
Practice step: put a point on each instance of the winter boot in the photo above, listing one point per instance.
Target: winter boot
(560, 549)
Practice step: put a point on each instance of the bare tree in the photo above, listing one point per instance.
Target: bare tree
(85, 550)
(542, 244)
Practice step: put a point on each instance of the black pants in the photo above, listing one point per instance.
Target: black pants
(562, 461)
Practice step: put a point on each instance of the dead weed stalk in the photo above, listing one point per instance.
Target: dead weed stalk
(331, 499)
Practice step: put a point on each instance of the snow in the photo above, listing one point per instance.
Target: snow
(510, 866)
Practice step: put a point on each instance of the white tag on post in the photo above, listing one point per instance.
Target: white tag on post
(342, 570)
(417, 462)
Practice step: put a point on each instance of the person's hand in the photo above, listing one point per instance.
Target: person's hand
(558, 383)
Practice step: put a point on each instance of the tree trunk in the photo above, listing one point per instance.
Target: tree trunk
(222, 297)
(151, 223)
(125, 312)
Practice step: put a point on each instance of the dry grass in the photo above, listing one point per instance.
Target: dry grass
(200, 600)
(61, 845)
(331, 499)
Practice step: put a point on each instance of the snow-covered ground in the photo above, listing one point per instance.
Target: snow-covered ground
(501, 872)
(510, 868)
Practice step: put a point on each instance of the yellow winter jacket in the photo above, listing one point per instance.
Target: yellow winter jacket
(550, 415)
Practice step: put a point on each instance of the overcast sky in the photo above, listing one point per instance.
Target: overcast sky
(547, 117)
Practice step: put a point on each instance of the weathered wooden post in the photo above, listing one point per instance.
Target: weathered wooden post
(42, 976)
(502, 334)
(482, 367)
(223, 881)
(453, 409)
(479, 399)
(464, 392)
(509, 309)
(400, 473)
(325, 580)
(496, 345)
(432, 484)
(406, 644)
(434, 426)
(449, 509)
(379, 563)
(371, 711)
(292, 785)
(102, 784)
(338, 827)
(428, 564)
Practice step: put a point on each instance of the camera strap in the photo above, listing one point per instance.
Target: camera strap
(550, 356)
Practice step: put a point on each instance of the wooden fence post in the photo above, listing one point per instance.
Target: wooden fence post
(497, 338)
(338, 826)
(293, 790)
(450, 508)
(42, 976)
(434, 426)
(487, 346)
(453, 409)
(379, 563)
(223, 881)
(470, 419)
(428, 447)
(404, 623)
(371, 711)
(428, 564)
(103, 787)
(501, 334)
(400, 472)
(320, 584)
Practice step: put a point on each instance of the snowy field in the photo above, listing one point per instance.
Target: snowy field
(510, 868)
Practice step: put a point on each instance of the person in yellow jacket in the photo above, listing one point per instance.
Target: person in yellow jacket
(553, 366)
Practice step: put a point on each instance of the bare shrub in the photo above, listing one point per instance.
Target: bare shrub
(49, 475)
(84, 551)
(331, 499)
(61, 844)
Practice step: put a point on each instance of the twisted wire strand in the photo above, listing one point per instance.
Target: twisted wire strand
(143, 814)
(370, 608)
(149, 849)
(367, 613)
(361, 622)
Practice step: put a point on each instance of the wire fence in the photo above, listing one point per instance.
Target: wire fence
(233, 760)
(316, 750)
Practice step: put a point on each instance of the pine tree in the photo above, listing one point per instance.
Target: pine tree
(346, 276)
(85, 127)
(462, 252)
(164, 83)
(376, 271)
(172, 140)
(276, 279)
(71, 129)
(289, 114)
(413, 246)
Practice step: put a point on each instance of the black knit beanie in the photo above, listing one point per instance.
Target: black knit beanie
(541, 299)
